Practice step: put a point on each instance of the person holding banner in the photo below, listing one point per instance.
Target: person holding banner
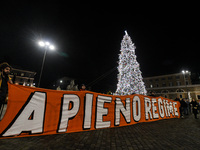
(4, 79)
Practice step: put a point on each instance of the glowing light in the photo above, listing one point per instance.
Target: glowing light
(130, 80)
(41, 43)
(51, 47)
(47, 43)
(185, 71)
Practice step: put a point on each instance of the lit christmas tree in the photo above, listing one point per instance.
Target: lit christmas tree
(130, 80)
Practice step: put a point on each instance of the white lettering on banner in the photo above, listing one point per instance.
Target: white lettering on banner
(119, 107)
(154, 109)
(168, 107)
(67, 113)
(166, 112)
(88, 111)
(136, 108)
(160, 107)
(171, 110)
(34, 109)
(31, 117)
(101, 111)
(175, 109)
(147, 108)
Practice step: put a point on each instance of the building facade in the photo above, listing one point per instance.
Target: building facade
(23, 77)
(173, 85)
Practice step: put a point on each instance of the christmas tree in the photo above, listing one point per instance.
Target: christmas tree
(130, 80)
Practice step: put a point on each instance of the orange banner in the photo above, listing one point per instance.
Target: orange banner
(36, 111)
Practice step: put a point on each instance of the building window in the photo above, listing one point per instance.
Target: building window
(177, 77)
(180, 90)
(151, 86)
(169, 78)
(164, 91)
(178, 83)
(164, 84)
(198, 96)
(170, 83)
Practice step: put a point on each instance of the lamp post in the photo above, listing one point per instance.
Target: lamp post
(185, 72)
(47, 46)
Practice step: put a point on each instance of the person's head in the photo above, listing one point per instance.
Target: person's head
(83, 87)
(193, 100)
(152, 93)
(5, 68)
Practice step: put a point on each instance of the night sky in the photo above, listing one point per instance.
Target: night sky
(87, 37)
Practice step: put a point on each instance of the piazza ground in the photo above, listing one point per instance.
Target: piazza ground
(164, 134)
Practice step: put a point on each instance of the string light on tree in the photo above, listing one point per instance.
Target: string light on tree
(129, 78)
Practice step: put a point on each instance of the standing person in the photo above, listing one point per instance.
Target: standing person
(183, 108)
(187, 108)
(195, 108)
(177, 99)
(152, 94)
(83, 87)
(4, 79)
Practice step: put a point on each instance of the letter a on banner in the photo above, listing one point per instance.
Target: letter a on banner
(34, 108)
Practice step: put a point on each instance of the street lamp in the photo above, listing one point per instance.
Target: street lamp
(47, 46)
(184, 72)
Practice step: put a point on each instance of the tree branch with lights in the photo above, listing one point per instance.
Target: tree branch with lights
(130, 80)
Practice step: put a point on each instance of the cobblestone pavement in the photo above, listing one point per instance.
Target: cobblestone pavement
(165, 134)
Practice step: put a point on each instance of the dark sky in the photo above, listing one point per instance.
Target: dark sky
(88, 36)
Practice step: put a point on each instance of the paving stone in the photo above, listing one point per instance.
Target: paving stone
(164, 134)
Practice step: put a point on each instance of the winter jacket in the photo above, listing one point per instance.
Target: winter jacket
(194, 107)
(9, 78)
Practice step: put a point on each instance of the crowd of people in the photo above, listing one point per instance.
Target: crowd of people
(187, 107)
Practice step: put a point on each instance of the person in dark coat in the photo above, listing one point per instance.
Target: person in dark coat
(195, 106)
(183, 108)
(4, 79)
(177, 99)
(152, 94)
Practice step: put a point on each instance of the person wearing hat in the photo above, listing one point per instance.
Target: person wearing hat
(4, 79)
